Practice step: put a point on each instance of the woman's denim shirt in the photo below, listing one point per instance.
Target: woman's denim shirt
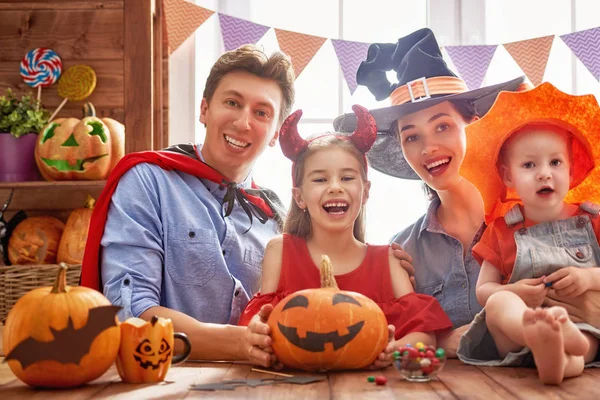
(441, 269)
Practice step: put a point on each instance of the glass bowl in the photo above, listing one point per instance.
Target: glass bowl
(420, 363)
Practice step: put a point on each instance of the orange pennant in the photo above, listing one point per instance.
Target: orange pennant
(532, 56)
(300, 47)
(182, 19)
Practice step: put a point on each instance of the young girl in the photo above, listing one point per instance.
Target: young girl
(541, 143)
(327, 217)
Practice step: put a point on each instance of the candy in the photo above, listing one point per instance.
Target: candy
(420, 345)
(381, 380)
(396, 355)
(40, 67)
(439, 353)
(419, 362)
(77, 83)
(371, 379)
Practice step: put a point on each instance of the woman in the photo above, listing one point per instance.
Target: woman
(422, 136)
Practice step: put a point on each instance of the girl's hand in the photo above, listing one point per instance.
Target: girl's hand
(256, 344)
(569, 281)
(385, 357)
(532, 291)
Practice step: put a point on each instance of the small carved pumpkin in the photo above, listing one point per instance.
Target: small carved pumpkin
(61, 336)
(74, 237)
(146, 351)
(35, 241)
(326, 328)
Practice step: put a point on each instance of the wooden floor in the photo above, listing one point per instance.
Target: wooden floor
(457, 381)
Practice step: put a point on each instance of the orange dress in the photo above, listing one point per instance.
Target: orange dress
(410, 313)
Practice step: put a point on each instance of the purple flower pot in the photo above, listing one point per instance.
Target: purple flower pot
(17, 158)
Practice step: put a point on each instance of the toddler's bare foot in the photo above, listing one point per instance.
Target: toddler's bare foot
(574, 341)
(543, 335)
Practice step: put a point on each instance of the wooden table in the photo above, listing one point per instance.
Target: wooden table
(457, 381)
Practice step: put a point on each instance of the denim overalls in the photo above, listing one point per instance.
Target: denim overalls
(541, 250)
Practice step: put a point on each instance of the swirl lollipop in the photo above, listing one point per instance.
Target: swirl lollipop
(77, 83)
(40, 67)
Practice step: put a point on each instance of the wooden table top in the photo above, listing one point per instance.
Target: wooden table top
(456, 381)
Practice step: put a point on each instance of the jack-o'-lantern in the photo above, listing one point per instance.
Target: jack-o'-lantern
(147, 347)
(74, 237)
(326, 328)
(117, 135)
(35, 240)
(61, 336)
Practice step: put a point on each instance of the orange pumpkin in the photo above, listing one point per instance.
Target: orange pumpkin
(326, 328)
(61, 336)
(146, 351)
(74, 237)
(35, 240)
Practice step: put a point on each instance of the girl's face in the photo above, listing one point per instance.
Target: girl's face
(332, 190)
(433, 142)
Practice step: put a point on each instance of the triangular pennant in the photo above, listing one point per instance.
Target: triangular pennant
(350, 55)
(237, 32)
(472, 62)
(532, 56)
(586, 46)
(182, 19)
(300, 47)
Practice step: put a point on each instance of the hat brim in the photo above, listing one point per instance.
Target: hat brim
(386, 154)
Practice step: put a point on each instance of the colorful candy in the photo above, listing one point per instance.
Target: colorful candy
(40, 67)
(77, 83)
(381, 380)
(370, 379)
(419, 363)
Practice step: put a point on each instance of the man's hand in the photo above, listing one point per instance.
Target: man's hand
(257, 342)
(405, 262)
(569, 281)
(583, 308)
(532, 291)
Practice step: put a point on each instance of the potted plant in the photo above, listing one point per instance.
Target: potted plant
(20, 122)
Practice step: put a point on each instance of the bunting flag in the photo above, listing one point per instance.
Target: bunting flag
(472, 62)
(300, 47)
(182, 19)
(586, 46)
(237, 32)
(350, 55)
(532, 56)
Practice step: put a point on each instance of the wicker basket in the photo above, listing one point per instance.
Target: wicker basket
(16, 280)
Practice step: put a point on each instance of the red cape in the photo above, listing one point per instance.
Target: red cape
(167, 160)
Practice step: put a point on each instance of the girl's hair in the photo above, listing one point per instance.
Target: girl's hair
(297, 222)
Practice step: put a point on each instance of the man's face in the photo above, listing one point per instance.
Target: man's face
(241, 120)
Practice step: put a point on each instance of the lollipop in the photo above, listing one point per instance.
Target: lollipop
(77, 83)
(40, 67)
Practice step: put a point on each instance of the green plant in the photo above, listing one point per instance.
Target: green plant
(19, 117)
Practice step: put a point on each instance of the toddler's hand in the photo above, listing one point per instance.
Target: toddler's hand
(385, 357)
(257, 342)
(531, 291)
(569, 281)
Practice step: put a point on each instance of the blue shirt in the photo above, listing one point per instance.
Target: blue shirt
(167, 243)
(441, 269)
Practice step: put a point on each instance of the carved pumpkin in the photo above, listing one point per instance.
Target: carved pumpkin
(87, 149)
(326, 328)
(35, 241)
(61, 336)
(72, 241)
(146, 351)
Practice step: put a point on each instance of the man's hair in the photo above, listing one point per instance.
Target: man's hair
(249, 58)
(297, 222)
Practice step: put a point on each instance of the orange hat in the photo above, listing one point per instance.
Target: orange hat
(579, 115)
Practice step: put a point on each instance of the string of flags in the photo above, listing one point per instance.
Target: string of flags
(472, 62)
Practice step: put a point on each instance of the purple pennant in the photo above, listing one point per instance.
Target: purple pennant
(350, 55)
(237, 32)
(586, 46)
(472, 62)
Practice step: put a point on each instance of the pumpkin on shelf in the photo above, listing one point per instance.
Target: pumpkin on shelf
(73, 149)
(74, 237)
(61, 336)
(326, 328)
(35, 240)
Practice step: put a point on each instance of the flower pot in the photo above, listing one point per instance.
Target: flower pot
(17, 162)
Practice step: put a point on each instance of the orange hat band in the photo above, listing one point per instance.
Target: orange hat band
(424, 88)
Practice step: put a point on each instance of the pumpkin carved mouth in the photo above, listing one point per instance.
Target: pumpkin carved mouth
(315, 341)
(150, 364)
(63, 165)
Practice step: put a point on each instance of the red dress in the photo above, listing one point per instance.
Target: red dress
(410, 313)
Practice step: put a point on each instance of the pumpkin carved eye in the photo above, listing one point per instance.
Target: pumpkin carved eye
(164, 347)
(145, 348)
(298, 301)
(343, 298)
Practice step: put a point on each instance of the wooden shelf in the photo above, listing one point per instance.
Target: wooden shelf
(79, 185)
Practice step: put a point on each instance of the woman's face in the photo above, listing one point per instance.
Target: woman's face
(433, 142)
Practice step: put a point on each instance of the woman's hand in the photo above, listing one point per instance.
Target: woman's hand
(449, 340)
(256, 344)
(405, 262)
(385, 358)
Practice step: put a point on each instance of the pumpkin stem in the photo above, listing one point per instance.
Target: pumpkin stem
(327, 278)
(154, 320)
(60, 283)
(90, 202)
(89, 110)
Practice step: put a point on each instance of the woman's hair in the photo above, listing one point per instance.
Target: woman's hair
(249, 58)
(297, 222)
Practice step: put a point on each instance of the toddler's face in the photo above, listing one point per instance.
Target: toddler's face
(537, 166)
